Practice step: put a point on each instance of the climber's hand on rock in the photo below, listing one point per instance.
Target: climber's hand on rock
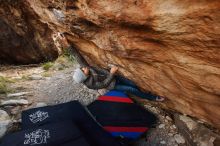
(114, 69)
(85, 70)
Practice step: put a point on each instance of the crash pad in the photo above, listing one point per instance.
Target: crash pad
(121, 116)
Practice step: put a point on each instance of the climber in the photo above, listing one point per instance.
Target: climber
(97, 78)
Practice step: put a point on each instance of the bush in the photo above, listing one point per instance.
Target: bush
(3, 88)
(67, 54)
(48, 65)
(46, 74)
(4, 85)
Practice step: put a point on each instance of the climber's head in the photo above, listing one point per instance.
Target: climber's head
(80, 74)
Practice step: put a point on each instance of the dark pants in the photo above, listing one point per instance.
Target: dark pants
(129, 87)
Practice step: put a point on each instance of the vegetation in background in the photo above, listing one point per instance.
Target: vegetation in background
(62, 62)
(46, 74)
(25, 77)
(47, 65)
(70, 57)
(4, 88)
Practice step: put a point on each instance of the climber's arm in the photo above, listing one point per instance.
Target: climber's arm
(101, 70)
(100, 85)
(93, 83)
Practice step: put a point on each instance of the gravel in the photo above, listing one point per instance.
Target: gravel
(4, 122)
(60, 88)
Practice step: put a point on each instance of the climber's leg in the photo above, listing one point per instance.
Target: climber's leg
(124, 81)
(135, 91)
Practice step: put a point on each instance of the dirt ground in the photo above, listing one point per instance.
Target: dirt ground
(56, 86)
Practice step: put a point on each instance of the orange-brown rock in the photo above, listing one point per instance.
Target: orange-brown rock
(170, 47)
(24, 38)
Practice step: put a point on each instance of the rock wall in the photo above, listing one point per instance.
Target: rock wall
(170, 48)
(24, 38)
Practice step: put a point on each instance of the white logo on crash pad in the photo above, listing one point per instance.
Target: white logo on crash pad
(37, 137)
(38, 116)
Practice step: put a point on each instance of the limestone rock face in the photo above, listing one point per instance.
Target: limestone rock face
(170, 48)
(23, 37)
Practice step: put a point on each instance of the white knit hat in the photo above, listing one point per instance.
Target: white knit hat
(79, 76)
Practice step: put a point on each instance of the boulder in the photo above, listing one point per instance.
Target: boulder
(24, 39)
(170, 48)
(4, 122)
(194, 133)
(17, 94)
(36, 77)
(12, 102)
(40, 104)
(179, 139)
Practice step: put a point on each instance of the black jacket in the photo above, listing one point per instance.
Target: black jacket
(98, 78)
